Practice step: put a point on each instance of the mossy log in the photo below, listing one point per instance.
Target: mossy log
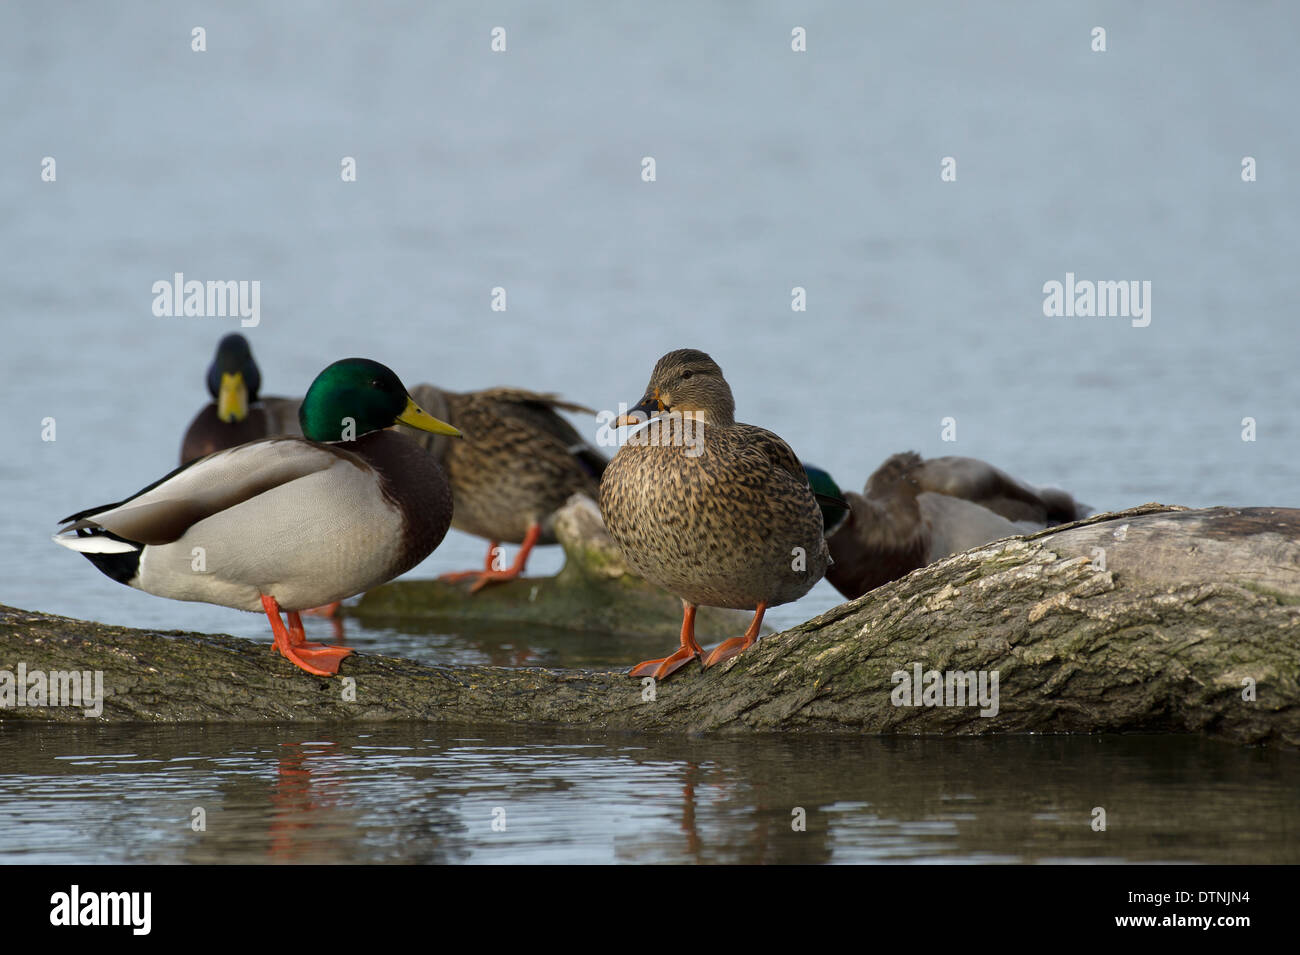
(595, 592)
(1156, 619)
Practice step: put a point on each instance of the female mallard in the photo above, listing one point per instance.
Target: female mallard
(236, 414)
(517, 465)
(915, 512)
(286, 523)
(717, 512)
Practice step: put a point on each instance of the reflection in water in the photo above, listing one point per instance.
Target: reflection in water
(431, 794)
(294, 802)
(308, 810)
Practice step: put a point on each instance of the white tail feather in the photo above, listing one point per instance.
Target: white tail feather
(95, 544)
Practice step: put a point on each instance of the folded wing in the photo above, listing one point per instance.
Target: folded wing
(164, 511)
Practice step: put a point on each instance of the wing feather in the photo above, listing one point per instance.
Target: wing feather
(773, 447)
(166, 509)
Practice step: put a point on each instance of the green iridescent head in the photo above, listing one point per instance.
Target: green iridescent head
(355, 396)
(829, 498)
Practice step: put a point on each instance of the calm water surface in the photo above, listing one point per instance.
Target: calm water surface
(432, 793)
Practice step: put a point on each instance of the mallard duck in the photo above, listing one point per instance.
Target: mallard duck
(286, 523)
(237, 414)
(518, 463)
(718, 513)
(914, 512)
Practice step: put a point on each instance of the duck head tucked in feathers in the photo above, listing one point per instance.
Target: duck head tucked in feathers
(915, 511)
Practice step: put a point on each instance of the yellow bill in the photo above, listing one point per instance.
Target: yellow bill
(417, 417)
(232, 398)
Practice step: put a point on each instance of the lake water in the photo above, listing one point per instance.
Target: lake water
(523, 170)
(433, 794)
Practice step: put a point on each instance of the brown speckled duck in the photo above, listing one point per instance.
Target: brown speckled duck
(914, 512)
(236, 414)
(718, 513)
(518, 463)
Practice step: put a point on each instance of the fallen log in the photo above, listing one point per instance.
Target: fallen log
(1156, 619)
(595, 592)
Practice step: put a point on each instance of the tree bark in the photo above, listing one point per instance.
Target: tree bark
(1156, 619)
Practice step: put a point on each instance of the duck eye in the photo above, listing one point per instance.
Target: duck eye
(687, 374)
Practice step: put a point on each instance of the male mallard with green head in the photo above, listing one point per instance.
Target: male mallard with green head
(518, 463)
(717, 512)
(286, 523)
(237, 414)
(914, 512)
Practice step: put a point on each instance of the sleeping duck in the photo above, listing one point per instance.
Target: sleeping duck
(914, 512)
(237, 413)
(286, 523)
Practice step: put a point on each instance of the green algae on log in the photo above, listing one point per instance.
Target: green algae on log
(1154, 620)
(594, 592)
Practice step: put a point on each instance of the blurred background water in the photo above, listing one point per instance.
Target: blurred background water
(774, 169)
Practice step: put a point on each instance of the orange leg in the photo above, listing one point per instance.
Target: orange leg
(729, 648)
(277, 625)
(318, 653)
(467, 574)
(488, 575)
(336, 628)
(329, 610)
(688, 651)
(293, 646)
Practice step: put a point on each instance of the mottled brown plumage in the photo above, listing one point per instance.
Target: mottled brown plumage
(916, 511)
(518, 463)
(719, 513)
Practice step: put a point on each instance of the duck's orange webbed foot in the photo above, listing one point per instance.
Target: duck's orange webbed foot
(726, 650)
(459, 575)
(492, 576)
(489, 574)
(688, 651)
(321, 655)
(736, 645)
(663, 667)
(315, 658)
